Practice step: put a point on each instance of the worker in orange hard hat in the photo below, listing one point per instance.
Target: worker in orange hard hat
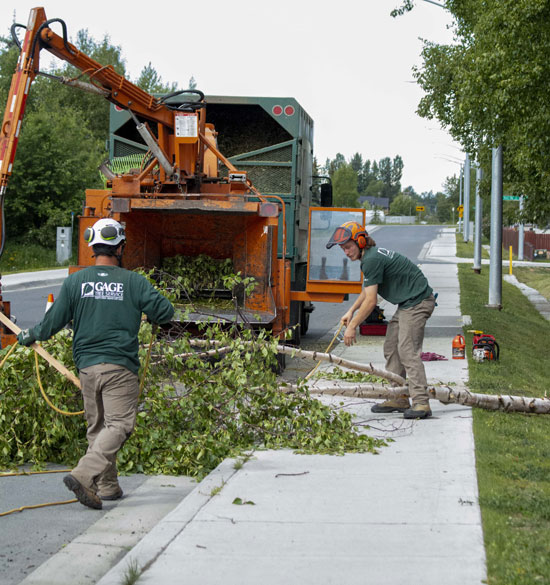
(398, 280)
(105, 303)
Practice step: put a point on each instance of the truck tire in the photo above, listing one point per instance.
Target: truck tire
(296, 312)
(304, 319)
(281, 364)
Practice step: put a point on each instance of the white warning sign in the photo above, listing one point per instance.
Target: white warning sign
(186, 125)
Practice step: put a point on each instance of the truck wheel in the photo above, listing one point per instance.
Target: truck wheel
(281, 363)
(304, 319)
(296, 311)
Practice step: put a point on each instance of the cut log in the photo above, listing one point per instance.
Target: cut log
(338, 361)
(445, 394)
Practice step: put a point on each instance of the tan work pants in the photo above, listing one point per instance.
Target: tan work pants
(403, 347)
(110, 393)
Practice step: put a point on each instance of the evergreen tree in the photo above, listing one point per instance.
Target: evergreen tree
(151, 82)
(356, 162)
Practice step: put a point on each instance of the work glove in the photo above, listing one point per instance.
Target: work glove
(25, 337)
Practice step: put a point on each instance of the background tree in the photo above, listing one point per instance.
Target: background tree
(150, 81)
(356, 162)
(376, 189)
(62, 141)
(443, 210)
(374, 178)
(344, 182)
(490, 88)
(56, 161)
(403, 204)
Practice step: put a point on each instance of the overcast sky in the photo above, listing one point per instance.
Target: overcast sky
(347, 62)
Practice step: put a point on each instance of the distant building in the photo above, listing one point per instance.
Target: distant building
(380, 202)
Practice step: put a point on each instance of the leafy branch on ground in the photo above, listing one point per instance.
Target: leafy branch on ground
(193, 413)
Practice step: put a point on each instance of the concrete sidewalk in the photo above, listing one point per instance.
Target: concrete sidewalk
(407, 515)
(24, 280)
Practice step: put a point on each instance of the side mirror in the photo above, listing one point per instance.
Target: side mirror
(326, 195)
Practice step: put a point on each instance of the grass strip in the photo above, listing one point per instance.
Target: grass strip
(512, 449)
(27, 257)
(466, 249)
(537, 278)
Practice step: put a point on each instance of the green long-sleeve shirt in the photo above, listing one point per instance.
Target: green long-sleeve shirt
(105, 304)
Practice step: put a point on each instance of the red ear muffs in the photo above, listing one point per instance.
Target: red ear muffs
(361, 240)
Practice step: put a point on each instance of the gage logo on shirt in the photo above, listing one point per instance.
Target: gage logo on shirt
(112, 291)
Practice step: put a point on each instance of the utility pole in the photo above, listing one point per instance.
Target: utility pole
(478, 222)
(466, 230)
(495, 271)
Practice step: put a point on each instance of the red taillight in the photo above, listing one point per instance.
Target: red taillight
(289, 111)
(268, 210)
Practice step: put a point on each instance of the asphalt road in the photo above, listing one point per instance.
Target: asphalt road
(30, 537)
(29, 305)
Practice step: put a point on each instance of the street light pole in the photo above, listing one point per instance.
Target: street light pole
(521, 235)
(495, 269)
(478, 222)
(466, 230)
(460, 198)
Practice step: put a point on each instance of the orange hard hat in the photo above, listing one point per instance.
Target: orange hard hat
(350, 230)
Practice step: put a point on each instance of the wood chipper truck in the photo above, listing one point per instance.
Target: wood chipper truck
(251, 204)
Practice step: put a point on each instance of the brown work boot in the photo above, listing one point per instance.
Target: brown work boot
(393, 405)
(116, 495)
(84, 495)
(418, 411)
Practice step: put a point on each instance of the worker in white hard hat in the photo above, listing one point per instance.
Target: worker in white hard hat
(105, 303)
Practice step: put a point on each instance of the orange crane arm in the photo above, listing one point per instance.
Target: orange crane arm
(13, 115)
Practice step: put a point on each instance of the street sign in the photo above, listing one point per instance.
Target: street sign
(460, 208)
(510, 197)
(419, 208)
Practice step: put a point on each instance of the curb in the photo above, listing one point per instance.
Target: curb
(105, 542)
(150, 548)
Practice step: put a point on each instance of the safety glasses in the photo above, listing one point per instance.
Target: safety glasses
(340, 236)
(107, 233)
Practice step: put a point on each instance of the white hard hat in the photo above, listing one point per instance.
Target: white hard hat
(105, 231)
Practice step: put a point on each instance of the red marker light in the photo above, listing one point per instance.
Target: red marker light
(277, 110)
(268, 210)
(289, 110)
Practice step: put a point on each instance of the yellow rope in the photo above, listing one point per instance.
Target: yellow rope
(65, 412)
(48, 401)
(11, 350)
(326, 351)
(15, 473)
(38, 506)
